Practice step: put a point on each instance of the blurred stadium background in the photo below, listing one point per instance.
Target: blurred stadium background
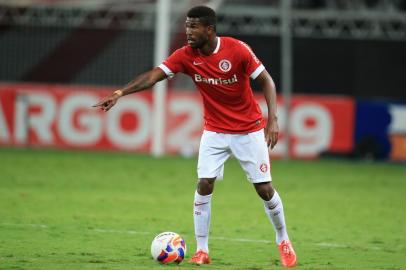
(339, 66)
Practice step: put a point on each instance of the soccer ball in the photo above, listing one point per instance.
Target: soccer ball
(168, 247)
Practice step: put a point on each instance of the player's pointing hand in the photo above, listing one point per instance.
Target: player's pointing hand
(109, 101)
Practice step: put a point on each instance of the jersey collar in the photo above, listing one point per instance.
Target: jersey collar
(216, 50)
(217, 47)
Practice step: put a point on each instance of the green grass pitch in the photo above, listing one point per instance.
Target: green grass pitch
(98, 210)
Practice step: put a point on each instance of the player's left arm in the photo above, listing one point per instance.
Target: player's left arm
(265, 81)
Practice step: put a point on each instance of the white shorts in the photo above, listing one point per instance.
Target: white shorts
(249, 149)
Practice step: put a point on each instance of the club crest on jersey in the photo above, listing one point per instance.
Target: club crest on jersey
(225, 65)
(263, 167)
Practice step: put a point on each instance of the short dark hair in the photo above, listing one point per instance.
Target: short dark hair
(206, 15)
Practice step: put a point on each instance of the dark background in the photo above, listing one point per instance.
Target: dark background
(373, 69)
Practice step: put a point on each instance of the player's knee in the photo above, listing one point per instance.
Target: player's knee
(264, 190)
(205, 186)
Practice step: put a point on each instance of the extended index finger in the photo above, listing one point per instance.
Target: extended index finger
(99, 104)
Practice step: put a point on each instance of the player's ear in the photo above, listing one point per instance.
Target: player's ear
(210, 29)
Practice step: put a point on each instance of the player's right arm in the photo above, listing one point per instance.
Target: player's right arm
(172, 65)
(143, 81)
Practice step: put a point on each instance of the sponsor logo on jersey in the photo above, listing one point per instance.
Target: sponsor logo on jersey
(197, 63)
(215, 81)
(225, 65)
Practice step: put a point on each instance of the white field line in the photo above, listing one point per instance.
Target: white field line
(230, 239)
(42, 226)
(118, 231)
(333, 245)
(241, 240)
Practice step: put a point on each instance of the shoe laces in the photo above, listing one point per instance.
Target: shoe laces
(198, 254)
(286, 249)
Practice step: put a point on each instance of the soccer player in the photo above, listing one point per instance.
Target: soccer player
(221, 68)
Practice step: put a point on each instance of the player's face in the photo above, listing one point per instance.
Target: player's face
(197, 34)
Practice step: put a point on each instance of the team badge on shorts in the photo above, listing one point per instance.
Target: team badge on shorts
(225, 65)
(263, 167)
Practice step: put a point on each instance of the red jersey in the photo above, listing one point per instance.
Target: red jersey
(223, 81)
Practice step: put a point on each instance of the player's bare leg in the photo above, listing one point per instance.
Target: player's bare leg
(201, 214)
(205, 186)
(274, 210)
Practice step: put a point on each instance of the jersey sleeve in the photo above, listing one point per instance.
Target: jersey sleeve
(253, 67)
(173, 64)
